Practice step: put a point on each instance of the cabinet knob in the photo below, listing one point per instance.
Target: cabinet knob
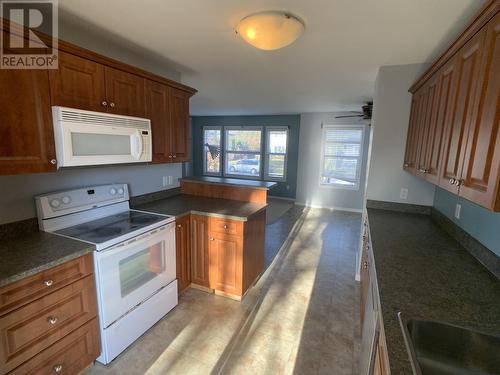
(57, 369)
(112, 105)
(48, 282)
(406, 165)
(104, 103)
(170, 156)
(459, 182)
(225, 226)
(52, 320)
(365, 265)
(174, 156)
(452, 181)
(211, 238)
(179, 225)
(53, 161)
(423, 170)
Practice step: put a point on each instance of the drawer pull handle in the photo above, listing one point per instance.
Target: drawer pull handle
(48, 282)
(52, 320)
(57, 369)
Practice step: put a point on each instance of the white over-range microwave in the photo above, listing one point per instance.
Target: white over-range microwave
(95, 138)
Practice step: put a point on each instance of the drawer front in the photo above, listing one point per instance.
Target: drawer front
(225, 226)
(26, 290)
(37, 325)
(68, 356)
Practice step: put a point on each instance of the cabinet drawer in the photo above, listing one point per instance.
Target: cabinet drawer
(226, 226)
(37, 325)
(70, 355)
(26, 290)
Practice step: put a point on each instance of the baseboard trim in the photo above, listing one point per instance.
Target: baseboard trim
(332, 208)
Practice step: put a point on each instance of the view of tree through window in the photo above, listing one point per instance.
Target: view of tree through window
(211, 144)
(242, 152)
(341, 159)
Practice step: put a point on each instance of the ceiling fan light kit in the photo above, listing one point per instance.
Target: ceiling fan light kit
(270, 30)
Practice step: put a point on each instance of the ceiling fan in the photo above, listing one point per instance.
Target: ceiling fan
(365, 114)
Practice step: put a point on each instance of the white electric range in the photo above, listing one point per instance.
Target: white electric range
(134, 259)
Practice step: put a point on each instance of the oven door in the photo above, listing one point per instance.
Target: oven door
(93, 144)
(130, 273)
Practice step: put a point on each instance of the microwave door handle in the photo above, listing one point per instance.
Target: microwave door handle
(137, 145)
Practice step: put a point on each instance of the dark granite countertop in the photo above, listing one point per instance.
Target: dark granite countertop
(231, 182)
(183, 204)
(425, 273)
(33, 252)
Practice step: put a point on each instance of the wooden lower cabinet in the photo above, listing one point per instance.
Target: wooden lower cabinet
(226, 263)
(42, 320)
(226, 256)
(199, 251)
(183, 252)
(69, 356)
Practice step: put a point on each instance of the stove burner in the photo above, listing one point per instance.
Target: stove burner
(142, 219)
(105, 232)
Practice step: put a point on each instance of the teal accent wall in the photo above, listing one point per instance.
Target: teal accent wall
(285, 189)
(480, 223)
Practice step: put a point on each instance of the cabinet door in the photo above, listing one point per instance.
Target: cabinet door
(455, 138)
(183, 250)
(158, 111)
(78, 83)
(444, 99)
(199, 250)
(410, 162)
(481, 171)
(225, 254)
(26, 133)
(180, 125)
(125, 93)
(431, 103)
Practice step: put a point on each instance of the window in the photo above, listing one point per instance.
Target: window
(276, 153)
(242, 152)
(341, 156)
(212, 150)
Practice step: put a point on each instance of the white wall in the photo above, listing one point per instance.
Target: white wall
(391, 113)
(17, 192)
(309, 191)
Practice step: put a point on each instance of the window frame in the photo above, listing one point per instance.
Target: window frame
(360, 157)
(260, 176)
(267, 154)
(221, 158)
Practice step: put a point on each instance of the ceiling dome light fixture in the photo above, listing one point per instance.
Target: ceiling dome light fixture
(270, 30)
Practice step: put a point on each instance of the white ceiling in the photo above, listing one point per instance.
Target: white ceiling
(331, 67)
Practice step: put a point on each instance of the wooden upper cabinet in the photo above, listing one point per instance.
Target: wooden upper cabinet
(443, 101)
(125, 93)
(78, 83)
(180, 125)
(158, 111)
(455, 138)
(480, 179)
(410, 155)
(199, 250)
(26, 133)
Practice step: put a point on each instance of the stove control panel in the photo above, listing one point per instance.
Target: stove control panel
(76, 200)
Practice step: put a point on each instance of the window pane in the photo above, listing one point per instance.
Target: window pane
(212, 150)
(277, 141)
(342, 149)
(340, 167)
(243, 164)
(276, 166)
(243, 140)
(344, 135)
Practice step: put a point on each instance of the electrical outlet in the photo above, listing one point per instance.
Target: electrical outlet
(458, 208)
(403, 194)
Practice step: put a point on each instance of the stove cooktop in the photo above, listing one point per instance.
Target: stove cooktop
(111, 227)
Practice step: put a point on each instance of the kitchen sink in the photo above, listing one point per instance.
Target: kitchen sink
(437, 348)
